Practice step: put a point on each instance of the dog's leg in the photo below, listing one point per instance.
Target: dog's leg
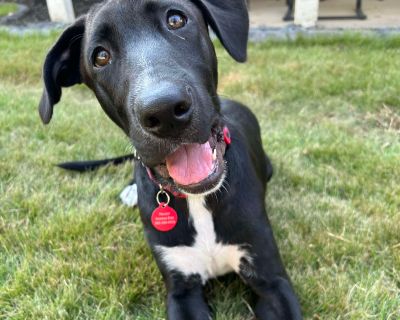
(275, 296)
(185, 299)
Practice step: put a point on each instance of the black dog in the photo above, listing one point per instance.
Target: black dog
(202, 184)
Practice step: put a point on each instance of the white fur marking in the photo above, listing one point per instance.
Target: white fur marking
(206, 257)
(129, 195)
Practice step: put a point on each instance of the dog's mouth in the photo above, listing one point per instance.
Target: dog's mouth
(195, 168)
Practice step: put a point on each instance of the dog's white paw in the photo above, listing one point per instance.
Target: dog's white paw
(129, 195)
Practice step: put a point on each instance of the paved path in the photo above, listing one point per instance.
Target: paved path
(380, 13)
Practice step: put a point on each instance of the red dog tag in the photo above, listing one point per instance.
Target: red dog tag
(164, 218)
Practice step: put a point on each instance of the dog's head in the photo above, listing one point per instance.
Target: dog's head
(152, 66)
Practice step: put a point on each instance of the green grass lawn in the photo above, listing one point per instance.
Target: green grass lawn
(7, 8)
(330, 115)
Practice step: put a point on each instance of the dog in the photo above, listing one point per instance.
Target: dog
(201, 171)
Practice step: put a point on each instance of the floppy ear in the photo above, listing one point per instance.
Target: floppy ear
(61, 67)
(229, 19)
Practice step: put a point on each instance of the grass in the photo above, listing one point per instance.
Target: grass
(330, 114)
(7, 8)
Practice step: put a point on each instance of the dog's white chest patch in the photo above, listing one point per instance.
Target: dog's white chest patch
(206, 256)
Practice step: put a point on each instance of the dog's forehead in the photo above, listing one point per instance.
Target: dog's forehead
(117, 13)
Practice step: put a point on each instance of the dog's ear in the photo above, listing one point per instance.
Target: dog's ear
(229, 19)
(61, 67)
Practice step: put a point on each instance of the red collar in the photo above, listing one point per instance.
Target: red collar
(169, 188)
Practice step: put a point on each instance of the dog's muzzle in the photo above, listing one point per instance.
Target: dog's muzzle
(194, 168)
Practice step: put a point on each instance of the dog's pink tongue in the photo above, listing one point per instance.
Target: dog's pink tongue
(190, 164)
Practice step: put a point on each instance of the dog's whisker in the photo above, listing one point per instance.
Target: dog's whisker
(75, 39)
(180, 37)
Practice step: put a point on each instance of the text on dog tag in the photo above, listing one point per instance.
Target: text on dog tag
(164, 218)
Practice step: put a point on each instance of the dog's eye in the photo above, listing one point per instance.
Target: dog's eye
(176, 20)
(101, 57)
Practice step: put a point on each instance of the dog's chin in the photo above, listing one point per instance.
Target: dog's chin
(194, 169)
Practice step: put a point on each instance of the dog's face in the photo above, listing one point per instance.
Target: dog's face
(152, 66)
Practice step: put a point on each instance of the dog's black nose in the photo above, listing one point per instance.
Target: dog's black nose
(166, 110)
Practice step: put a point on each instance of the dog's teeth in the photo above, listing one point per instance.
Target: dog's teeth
(215, 154)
